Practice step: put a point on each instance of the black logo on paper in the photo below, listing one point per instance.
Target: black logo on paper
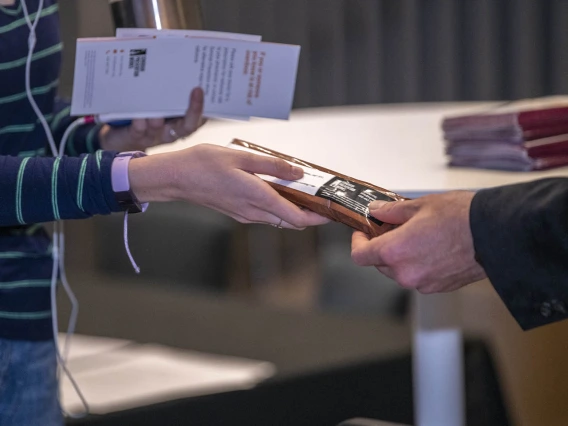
(137, 61)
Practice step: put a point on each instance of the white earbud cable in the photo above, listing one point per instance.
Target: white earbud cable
(58, 230)
(58, 236)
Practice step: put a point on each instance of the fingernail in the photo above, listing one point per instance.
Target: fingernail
(297, 172)
(377, 204)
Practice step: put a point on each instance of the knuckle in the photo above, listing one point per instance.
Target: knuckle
(281, 167)
(405, 281)
(202, 151)
(410, 278)
(388, 253)
(244, 160)
(262, 197)
(409, 208)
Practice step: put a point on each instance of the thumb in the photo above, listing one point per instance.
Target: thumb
(393, 212)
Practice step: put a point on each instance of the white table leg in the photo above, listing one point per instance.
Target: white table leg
(439, 386)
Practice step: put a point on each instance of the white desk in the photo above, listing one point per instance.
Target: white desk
(398, 147)
(115, 374)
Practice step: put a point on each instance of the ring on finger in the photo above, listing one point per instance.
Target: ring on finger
(173, 133)
(279, 226)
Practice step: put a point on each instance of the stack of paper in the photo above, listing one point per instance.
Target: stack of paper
(144, 73)
(521, 136)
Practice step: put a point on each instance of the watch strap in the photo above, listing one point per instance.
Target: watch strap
(121, 182)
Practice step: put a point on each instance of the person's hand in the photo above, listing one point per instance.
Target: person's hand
(222, 179)
(432, 249)
(142, 134)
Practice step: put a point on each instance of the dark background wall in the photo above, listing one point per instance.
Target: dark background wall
(369, 51)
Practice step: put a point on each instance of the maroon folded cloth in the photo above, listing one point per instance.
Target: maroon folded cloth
(517, 136)
(527, 114)
(504, 157)
(524, 135)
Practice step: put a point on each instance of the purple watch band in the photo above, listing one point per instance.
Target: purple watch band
(121, 183)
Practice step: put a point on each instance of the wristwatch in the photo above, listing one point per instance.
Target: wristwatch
(121, 184)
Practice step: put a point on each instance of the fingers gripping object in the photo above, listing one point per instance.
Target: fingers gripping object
(340, 198)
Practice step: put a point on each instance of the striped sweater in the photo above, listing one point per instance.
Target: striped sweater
(35, 187)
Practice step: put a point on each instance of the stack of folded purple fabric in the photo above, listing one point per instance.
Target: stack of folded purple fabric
(523, 135)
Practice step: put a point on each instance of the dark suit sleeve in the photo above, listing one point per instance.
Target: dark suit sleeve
(520, 234)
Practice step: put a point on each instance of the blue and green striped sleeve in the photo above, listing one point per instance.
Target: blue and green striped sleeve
(39, 189)
(35, 188)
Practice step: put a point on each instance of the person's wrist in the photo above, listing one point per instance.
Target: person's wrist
(151, 179)
(121, 182)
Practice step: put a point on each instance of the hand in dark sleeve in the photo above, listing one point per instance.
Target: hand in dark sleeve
(520, 235)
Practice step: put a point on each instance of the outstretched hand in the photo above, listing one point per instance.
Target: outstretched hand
(432, 249)
(222, 179)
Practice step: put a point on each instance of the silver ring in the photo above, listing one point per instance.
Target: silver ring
(173, 133)
(279, 226)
